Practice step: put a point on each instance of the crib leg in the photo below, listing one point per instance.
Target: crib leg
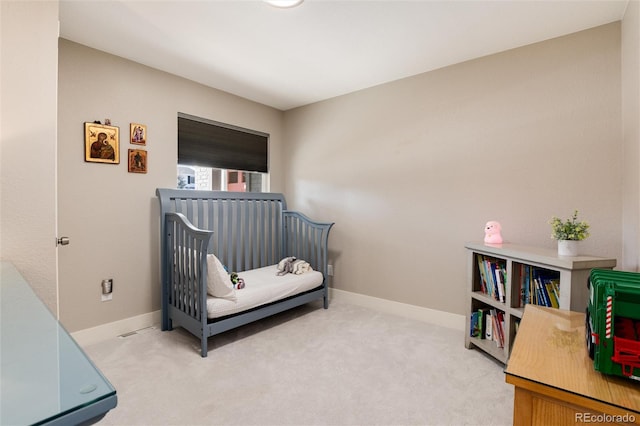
(326, 300)
(165, 323)
(204, 348)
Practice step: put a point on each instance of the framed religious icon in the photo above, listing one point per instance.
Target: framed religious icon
(138, 134)
(137, 161)
(101, 143)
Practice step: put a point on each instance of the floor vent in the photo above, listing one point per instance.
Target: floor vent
(141, 331)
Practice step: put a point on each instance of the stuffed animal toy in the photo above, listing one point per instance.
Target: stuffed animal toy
(285, 266)
(492, 232)
(291, 265)
(238, 283)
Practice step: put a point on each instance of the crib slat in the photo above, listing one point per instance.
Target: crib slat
(246, 236)
(280, 231)
(237, 235)
(244, 233)
(279, 241)
(220, 232)
(314, 241)
(179, 281)
(200, 215)
(190, 272)
(264, 235)
(233, 217)
(189, 213)
(302, 247)
(211, 223)
(180, 266)
(258, 240)
(255, 237)
(302, 240)
(169, 290)
(191, 277)
(268, 233)
(261, 238)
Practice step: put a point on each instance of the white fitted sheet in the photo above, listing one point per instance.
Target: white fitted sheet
(263, 286)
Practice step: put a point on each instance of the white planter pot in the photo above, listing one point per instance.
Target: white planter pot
(568, 247)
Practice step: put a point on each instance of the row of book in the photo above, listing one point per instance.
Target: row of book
(539, 286)
(488, 323)
(493, 276)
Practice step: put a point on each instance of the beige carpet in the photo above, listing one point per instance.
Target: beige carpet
(347, 365)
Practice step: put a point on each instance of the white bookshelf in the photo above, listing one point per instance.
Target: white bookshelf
(573, 272)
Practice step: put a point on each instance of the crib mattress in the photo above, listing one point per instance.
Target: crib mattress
(263, 286)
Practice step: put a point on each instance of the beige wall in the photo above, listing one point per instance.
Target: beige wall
(446, 151)
(631, 135)
(412, 169)
(111, 215)
(28, 92)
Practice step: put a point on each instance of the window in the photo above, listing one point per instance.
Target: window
(218, 156)
(206, 178)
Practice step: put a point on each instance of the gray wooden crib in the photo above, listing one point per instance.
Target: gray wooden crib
(245, 231)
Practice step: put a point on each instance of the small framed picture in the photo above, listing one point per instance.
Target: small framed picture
(137, 161)
(101, 143)
(138, 134)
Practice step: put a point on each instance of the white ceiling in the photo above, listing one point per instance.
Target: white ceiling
(291, 57)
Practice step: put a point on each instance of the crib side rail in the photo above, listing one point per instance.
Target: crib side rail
(184, 286)
(306, 239)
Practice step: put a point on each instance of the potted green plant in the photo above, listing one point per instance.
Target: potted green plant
(568, 233)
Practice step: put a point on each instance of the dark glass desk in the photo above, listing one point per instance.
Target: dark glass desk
(45, 378)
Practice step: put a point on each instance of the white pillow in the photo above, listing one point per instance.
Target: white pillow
(218, 279)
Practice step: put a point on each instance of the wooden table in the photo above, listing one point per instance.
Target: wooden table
(554, 379)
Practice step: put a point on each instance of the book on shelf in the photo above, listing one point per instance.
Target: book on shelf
(500, 284)
(539, 286)
(488, 324)
(493, 274)
(478, 323)
(482, 318)
(481, 270)
(541, 293)
(553, 291)
(488, 329)
(497, 318)
(474, 326)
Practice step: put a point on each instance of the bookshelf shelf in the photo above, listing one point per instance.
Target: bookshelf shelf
(506, 272)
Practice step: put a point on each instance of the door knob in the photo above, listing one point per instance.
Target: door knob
(62, 241)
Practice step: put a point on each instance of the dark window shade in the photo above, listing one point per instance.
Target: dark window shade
(206, 144)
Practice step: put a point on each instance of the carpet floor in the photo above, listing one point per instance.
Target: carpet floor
(347, 365)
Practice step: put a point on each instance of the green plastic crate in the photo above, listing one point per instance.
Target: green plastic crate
(613, 322)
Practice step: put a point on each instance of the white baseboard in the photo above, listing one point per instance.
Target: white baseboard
(432, 316)
(445, 319)
(114, 329)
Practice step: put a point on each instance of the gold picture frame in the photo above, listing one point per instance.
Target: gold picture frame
(137, 161)
(138, 134)
(101, 143)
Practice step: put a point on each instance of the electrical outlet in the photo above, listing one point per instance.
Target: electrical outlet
(106, 289)
(330, 270)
